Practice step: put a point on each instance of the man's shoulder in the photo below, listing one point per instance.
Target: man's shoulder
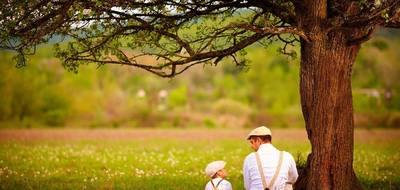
(288, 156)
(250, 157)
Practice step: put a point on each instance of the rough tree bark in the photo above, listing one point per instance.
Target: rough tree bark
(326, 98)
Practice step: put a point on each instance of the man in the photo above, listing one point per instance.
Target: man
(277, 167)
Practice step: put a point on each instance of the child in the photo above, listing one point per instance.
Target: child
(216, 171)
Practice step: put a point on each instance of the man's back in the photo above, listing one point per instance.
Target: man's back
(269, 157)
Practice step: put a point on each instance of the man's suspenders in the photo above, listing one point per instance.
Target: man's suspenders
(260, 169)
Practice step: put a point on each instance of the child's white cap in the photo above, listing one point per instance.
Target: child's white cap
(214, 167)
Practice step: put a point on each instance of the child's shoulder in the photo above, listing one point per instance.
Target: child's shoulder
(208, 186)
(225, 181)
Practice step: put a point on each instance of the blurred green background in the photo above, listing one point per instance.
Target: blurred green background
(44, 94)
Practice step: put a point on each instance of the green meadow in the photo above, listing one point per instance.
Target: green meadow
(167, 163)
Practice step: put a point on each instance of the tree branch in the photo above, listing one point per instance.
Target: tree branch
(386, 14)
(171, 65)
(273, 30)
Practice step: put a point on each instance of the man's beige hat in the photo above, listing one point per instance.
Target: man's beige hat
(213, 167)
(259, 131)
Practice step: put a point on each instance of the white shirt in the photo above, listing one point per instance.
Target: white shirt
(224, 185)
(269, 157)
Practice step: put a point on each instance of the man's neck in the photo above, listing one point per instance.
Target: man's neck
(266, 143)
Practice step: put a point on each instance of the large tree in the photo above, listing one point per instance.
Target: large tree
(185, 33)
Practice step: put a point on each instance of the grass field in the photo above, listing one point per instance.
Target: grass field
(164, 159)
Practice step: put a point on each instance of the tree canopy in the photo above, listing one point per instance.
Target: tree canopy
(178, 33)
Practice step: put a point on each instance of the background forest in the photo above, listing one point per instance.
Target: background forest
(225, 96)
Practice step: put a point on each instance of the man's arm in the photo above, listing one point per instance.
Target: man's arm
(292, 170)
(246, 175)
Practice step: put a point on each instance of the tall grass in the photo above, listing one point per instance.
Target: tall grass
(160, 163)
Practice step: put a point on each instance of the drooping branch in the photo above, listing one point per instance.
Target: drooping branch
(188, 50)
(170, 67)
(180, 34)
(103, 30)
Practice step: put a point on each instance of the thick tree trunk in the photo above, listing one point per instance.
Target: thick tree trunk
(326, 99)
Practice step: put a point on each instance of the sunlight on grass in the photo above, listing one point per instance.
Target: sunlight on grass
(158, 163)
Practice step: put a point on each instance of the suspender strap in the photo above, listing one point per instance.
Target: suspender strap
(277, 170)
(215, 187)
(260, 169)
